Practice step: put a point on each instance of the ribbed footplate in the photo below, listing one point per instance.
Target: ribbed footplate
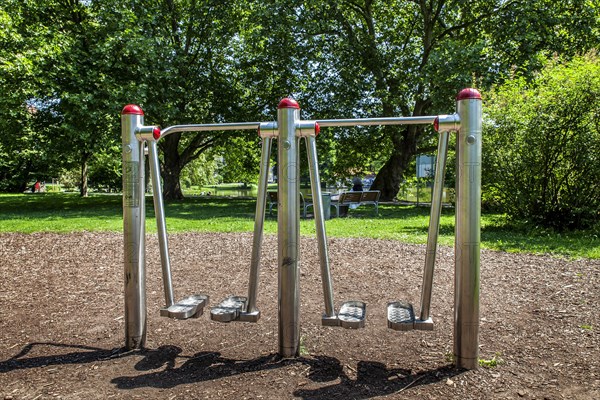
(233, 309)
(190, 307)
(401, 316)
(352, 314)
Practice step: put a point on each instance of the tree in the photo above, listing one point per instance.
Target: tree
(24, 152)
(72, 81)
(204, 61)
(191, 74)
(411, 57)
(542, 138)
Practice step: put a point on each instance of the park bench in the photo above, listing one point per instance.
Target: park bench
(272, 200)
(369, 197)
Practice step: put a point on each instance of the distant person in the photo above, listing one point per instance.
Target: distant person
(36, 187)
(357, 185)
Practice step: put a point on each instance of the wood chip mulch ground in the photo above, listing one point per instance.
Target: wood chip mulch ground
(62, 324)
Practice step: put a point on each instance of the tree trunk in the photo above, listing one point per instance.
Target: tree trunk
(391, 175)
(171, 185)
(22, 187)
(171, 168)
(83, 192)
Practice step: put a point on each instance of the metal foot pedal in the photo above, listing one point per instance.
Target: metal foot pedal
(401, 316)
(352, 314)
(232, 309)
(190, 307)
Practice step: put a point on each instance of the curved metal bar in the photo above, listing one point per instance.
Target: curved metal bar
(233, 126)
(377, 121)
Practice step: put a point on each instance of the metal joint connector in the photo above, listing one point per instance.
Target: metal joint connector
(268, 130)
(147, 133)
(447, 123)
(307, 128)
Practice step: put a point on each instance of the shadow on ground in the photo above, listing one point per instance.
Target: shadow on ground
(372, 378)
(88, 355)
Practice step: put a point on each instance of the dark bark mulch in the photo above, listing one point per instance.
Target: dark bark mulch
(62, 325)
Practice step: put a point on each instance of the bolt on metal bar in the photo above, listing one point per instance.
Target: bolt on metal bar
(377, 121)
(159, 212)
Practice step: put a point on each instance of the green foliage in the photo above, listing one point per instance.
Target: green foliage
(241, 160)
(105, 170)
(492, 362)
(542, 141)
(184, 61)
(202, 171)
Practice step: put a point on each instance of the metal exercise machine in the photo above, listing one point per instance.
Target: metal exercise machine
(289, 129)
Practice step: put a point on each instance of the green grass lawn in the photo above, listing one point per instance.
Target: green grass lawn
(59, 212)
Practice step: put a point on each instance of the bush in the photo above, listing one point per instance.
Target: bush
(542, 146)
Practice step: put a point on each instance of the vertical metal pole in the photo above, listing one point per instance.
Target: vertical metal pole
(315, 183)
(434, 223)
(468, 213)
(161, 227)
(132, 116)
(259, 220)
(288, 226)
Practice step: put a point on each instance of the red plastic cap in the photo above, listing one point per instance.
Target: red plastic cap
(288, 103)
(436, 124)
(468, 93)
(156, 133)
(132, 109)
(317, 128)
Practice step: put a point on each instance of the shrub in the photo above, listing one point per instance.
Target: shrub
(542, 145)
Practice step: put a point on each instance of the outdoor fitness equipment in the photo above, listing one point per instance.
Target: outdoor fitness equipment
(289, 129)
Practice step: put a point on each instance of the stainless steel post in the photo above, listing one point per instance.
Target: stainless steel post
(259, 220)
(159, 212)
(468, 213)
(288, 216)
(434, 224)
(132, 116)
(315, 183)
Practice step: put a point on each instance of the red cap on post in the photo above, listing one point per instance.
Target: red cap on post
(156, 133)
(436, 124)
(288, 103)
(468, 93)
(132, 109)
(317, 128)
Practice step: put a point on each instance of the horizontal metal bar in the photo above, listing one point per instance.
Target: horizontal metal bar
(233, 126)
(322, 123)
(377, 121)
